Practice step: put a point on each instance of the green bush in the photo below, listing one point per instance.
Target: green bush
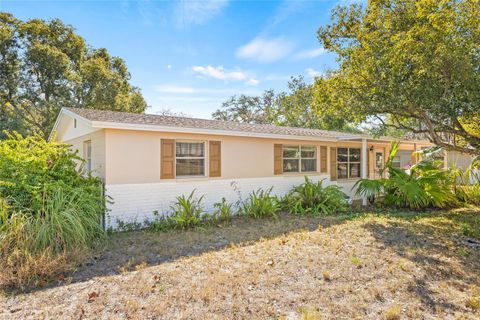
(49, 212)
(261, 204)
(223, 210)
(312, 198)
(188, 212)
(425, 185)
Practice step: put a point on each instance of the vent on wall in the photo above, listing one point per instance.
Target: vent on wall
(75, 123)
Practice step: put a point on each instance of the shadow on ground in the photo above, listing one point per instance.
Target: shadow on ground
(437, 243)
(134, 250)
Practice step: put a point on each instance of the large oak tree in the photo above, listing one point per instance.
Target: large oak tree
(45, 65)
(412, 65)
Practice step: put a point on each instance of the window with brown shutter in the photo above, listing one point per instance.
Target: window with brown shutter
(215, 154)
(323, 159)
(277, 159)
(333, 163)
(167, 159)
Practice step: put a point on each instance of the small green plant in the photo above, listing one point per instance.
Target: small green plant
(393, 313)
(356, 261)
(312, 198)
(473, 303)
(161, 222)
(223, 210)
(188, 211)
(261, 204)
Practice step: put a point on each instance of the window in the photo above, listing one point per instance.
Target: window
(397, 162)
(348, 163)
(190, 159)
(87, 154)
(299, 158)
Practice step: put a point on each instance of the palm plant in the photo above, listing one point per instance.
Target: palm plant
(425, 185)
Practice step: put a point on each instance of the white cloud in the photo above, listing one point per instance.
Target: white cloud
(221, 73)
(190, 12)
(312, 73)
(265, 50)
(310, 54)
(169, 66)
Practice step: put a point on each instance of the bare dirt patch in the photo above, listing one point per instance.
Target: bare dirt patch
(372, 266)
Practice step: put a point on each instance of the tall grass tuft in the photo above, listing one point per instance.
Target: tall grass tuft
(187, 211)
(261, 203)
(36, 246)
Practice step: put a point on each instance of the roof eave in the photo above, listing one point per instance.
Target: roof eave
(146, 127)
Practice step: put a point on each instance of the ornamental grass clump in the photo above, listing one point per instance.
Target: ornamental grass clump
(50, 210)
(261, 203)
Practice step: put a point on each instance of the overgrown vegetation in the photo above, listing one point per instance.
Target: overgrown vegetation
(313, 198)
(49, 210)
(260, 204)
(425, 185)
(188, 212)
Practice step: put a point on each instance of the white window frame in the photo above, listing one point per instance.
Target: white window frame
(300, 158)
(87, 154)
(348, 162)
(204, 159)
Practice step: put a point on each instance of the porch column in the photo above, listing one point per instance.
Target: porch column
(364, 165)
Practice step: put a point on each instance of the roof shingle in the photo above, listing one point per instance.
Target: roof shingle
(194, 123)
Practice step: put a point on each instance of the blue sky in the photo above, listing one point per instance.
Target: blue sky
(190, 56)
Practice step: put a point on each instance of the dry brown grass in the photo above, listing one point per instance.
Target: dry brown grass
(371, 267)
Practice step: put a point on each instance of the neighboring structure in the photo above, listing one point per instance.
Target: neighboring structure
(146, 161)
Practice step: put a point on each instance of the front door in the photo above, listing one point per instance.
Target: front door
(379, 163)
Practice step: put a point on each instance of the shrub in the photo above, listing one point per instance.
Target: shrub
(425, 185)
(313, 199)
(49, 212)
(188, 211)
(223, 210)
(261, 204)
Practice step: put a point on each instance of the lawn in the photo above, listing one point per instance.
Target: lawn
(371, 265)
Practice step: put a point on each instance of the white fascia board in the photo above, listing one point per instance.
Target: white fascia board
(146, 127)
(60, 116)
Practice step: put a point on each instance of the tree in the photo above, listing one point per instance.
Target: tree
(298, 107)
(248, 109)
(45, 66)
(415, 63)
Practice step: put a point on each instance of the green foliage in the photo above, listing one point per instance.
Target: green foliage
(49, 211)
(223, 210)
(425, 185)
(297, 108)
(410, 65)
(260, 204)
(312, 198)
(31, 168)
(188, 212)
(469, 194)
(45, 65)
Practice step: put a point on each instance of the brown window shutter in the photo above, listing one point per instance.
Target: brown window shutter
(215, 154)
(323, 159)
(277, 159)
(167, 159)
(333, 164)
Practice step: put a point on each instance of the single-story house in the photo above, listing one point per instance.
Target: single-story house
(146, 161)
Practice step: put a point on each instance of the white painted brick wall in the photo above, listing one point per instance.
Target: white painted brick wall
(137, 202)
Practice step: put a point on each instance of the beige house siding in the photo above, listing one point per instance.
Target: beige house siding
(134, 156)
(97, 139)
